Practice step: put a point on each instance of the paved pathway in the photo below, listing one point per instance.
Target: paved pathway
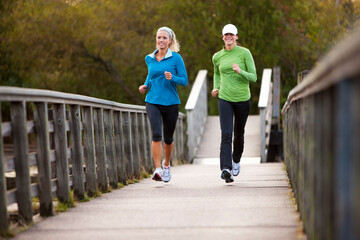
(195, 204)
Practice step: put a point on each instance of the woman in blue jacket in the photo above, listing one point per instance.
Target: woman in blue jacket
(166, 70)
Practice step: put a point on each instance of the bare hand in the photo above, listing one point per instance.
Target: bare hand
(215, 92)
(142, 89)
(236, 68)
(168, 75)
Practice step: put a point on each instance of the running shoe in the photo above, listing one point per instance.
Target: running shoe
(226, 175)
(157, 174)
(166, 176)
(235, 168)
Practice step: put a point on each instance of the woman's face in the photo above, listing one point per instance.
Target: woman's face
(229, 39)
(162, 39)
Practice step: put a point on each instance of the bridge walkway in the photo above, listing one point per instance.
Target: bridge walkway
(195, 204)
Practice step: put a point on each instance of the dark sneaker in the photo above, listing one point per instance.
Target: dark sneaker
(226, 175)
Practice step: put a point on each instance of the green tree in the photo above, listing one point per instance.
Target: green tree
(97, 48)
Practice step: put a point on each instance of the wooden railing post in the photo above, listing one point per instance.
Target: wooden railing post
(100, 150)
(174, 155)
(126, 125)
(142, 141)
(135, 144)
(62, 164)
(147, 150)
(119, 147)
(182, 139)
(110, 148)
(77, 152)
(43, 158)
(89, 150)
(4, 225)
(21, 153)
(148, 145)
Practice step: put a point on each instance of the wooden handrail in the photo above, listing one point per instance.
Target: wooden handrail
(197, 112)
(92, 143)
(321, 120)
(265, 106)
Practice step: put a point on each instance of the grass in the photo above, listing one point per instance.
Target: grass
(7, 234)
(145, 174)
(63, 206)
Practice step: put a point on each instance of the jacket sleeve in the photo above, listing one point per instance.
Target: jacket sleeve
(250, 73)
(216, 74)
(148, 80)
(181, 77)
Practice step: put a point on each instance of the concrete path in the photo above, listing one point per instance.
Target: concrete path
(195, 204)
(209, 148)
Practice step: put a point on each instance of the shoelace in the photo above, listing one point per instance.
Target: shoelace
(166, 171)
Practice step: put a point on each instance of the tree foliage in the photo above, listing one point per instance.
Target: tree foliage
(97, 48)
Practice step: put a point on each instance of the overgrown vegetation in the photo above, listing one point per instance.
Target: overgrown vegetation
(97, 48)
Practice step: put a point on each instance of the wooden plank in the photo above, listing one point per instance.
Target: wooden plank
(174, 151)
(89, 150)
(355, 197)
(34, 189)
(183, 145)
(43, 159)
(62, 164)
(263, 134)
(126, 126)
(110, 148)
(144, 142)
(149, 141)
(141, 141)
(119, 147)
(4, 225)
(135, 144)
(276, 96)
(77, 151)
(20, 139)
(10, 165)
(345, 161)
(6, 129)
(100, 150)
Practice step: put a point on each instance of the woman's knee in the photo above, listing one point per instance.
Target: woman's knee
(156, 137)
(226, 136)
(168, 141)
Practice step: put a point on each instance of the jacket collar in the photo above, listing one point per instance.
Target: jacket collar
(167, 55)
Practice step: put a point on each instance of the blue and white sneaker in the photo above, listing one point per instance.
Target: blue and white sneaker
(166, 175)
(235, 168)
(157, 174)
(226, 175)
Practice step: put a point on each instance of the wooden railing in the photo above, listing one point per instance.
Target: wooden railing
(196, 112)
(265, 105)
(69, 141)
(321, 122)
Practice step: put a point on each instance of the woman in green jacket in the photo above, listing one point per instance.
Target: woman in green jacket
(234, 68)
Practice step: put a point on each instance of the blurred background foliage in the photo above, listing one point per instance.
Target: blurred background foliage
(97, 47)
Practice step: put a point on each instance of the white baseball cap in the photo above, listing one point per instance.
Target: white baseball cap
(229, 28)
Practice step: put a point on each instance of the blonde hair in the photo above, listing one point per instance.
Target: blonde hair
(174, 45)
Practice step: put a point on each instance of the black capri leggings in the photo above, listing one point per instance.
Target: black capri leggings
(167, 115)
